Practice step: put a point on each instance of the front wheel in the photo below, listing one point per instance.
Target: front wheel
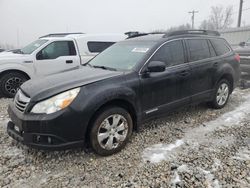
(10, 82)
(221, 95)
(111, 130)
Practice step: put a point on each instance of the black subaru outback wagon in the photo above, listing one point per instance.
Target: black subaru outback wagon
(132, 81)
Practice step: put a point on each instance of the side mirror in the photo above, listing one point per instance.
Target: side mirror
(242, 44)
(39, 55)
(156, 66)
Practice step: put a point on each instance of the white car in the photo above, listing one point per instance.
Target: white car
(48, 55)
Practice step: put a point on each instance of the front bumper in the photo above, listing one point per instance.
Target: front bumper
(62, 130)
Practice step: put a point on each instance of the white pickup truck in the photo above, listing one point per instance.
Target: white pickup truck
(50, 54)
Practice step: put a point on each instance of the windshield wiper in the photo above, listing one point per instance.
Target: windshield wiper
(103, 67)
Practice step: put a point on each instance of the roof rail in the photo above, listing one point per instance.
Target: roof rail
(133, 34)
(59, 34)
(200, 32)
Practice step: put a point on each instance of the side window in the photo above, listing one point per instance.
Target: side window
(220, 46)
(57, 49)
(97, 47)
(171, 53)
(198, 49)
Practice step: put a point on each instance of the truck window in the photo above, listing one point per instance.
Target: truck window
(220, 46)
(57, 49)
(171, 53)
(97, 47)
(198, 49)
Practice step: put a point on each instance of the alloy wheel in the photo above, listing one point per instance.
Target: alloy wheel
(112, 132)
(12, 85)
(222, 94)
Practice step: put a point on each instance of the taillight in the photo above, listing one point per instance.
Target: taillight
(237, 57)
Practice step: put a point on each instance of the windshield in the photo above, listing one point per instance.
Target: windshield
(122, 56)
(33, 46)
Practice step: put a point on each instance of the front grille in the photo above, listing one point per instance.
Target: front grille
(21, 101)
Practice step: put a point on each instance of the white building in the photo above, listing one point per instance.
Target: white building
(236, 35)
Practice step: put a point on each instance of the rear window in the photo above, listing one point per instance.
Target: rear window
(220, 46)
(97, 47)
(198, 49)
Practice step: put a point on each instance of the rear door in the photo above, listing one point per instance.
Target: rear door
(58, 56)
(200, 53)
(164, 90)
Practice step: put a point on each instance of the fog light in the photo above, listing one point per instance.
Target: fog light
(17, 128)
(38, 138)
(49, 140)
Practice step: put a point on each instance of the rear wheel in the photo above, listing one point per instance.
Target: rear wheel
(10, 82)
(221, 95)
(111, 131)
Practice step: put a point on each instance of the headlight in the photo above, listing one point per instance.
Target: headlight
(56, 103)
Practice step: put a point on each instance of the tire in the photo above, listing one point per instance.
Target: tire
(105, 134)
(10, 82)
(221, 95)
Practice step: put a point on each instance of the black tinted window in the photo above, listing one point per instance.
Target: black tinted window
(198, 49)
(220, 46)
(57, 49)
(97, 47)
(171, 53)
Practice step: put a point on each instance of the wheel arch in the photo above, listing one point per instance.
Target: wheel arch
(14, 70)
(118, 102)
(229, 78)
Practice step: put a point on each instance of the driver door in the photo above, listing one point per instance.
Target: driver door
(162, 91)
(56, 57)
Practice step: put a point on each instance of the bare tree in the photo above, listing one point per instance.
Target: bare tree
(180, 27)
(220, 18)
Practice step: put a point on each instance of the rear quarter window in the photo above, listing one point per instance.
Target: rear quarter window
(220, 46)
(97, 47)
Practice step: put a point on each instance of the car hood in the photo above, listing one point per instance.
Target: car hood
(10, 57)
(41, 88)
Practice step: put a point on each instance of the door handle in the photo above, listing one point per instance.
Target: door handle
(28, 61)
(69, 61)
(216, 64)
(184, 73)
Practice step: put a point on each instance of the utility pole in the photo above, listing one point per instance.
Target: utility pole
(193, 12)
(240, 13)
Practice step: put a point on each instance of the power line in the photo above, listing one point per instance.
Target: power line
(193, 13)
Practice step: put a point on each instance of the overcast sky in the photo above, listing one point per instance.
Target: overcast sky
(26, 20)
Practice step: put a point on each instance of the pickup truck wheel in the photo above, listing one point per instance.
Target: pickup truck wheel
(111, 131)
(221, 94)
(10, 82)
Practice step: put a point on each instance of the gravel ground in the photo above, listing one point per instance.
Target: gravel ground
(193, 147)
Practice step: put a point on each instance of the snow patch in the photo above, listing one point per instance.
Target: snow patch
(211, 182)
(176, 179)
(229, 119)
(160, 152)
(243, 155)
(195, 137)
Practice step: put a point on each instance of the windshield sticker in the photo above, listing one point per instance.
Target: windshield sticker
(140, 50)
